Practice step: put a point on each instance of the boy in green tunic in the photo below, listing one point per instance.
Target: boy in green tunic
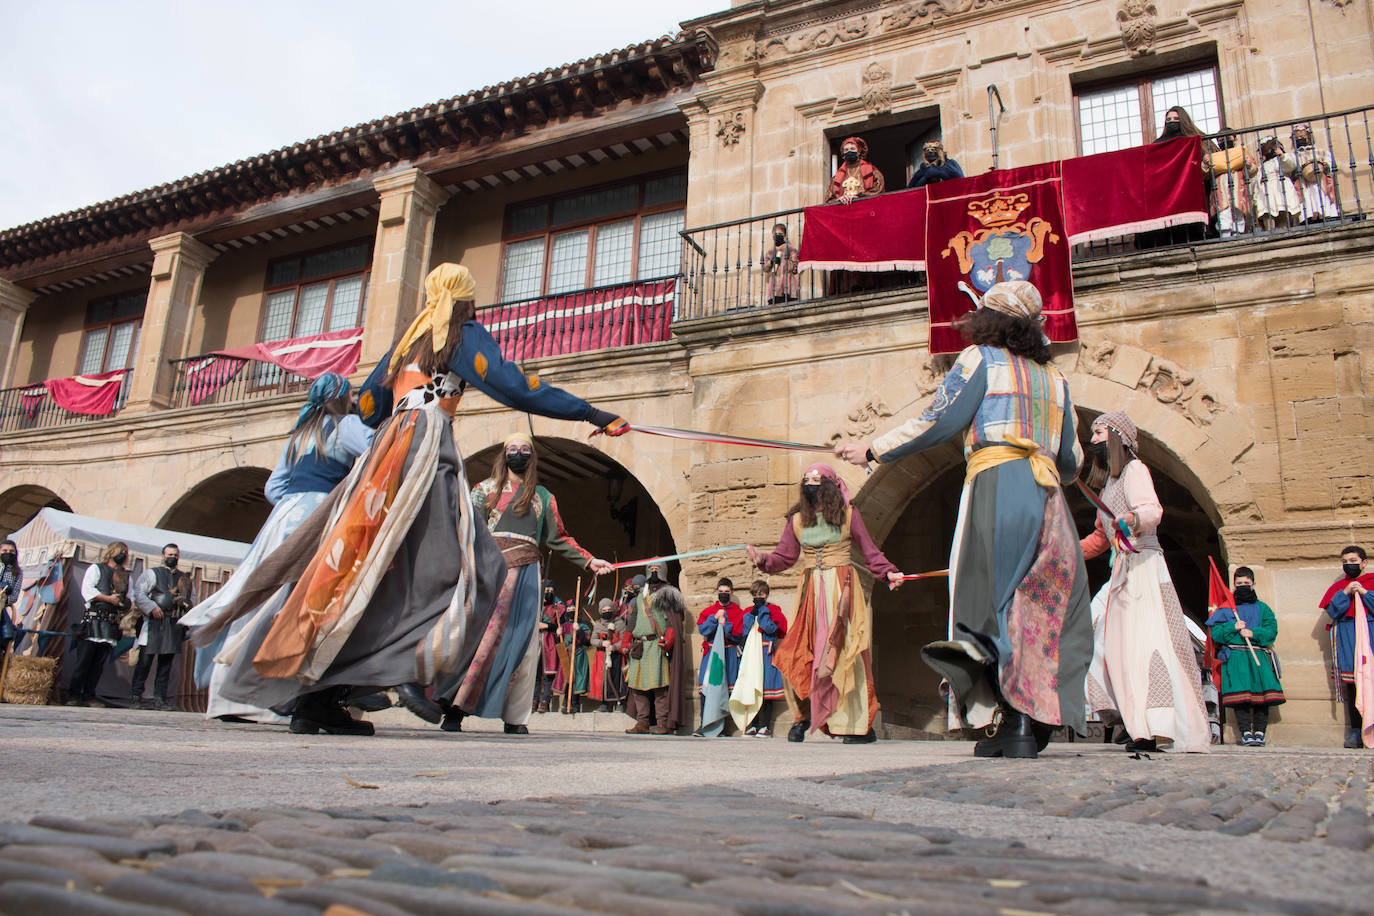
(1249, 667)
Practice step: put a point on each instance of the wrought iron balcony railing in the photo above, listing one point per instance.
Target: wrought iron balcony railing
(32, 407)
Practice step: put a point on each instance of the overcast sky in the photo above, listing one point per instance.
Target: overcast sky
(98, 99)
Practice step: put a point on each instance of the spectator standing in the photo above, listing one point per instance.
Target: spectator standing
(780, 264)
(1249, 668)
(1351, 667)
(11, 586)
(856, 177)
(1316, 170)
(772, 626)
(163, 594)
(1232, 170)
(1277, 204)
(105, 589)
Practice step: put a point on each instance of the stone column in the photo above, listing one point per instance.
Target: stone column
(410, 199)
(179, 263)
(14, 303)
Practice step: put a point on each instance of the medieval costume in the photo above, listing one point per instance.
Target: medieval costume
(856, 176)
(1353, 668)
(1229, 203)
(574, 637)
(826, 656)
(936, 166)
(318, 455)
(656, 671)
(523, 517)
(607, 674)
(780, 264)
(11, 587)
(735, 631)
(1276, 199)
(1150, 672)
(1316, 170)
(1020, 635)
(163, 594)
(105, 589)
(772, 624)
(1249, 668)
(395, 578)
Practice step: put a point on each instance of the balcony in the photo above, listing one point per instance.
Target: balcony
(1316, 191)
(35, 407)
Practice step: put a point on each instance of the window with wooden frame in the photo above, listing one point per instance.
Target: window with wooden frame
(1127, 112)
(594, 237)
(316, 292)
(110, 337)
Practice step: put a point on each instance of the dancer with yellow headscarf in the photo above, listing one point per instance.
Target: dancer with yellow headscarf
(393, 580)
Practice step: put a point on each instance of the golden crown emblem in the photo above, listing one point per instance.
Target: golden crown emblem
(999, 209)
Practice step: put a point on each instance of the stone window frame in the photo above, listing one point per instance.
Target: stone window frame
(549, 230)
(1143, 80)
(299, 283)
(92, 326)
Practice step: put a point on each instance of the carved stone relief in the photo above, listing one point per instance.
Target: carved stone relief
(729, 128)
(877, 89)
(1169, 382)
(1137, 21)
(865, 420)
(921, 11)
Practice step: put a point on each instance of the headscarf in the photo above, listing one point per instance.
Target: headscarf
(517, 437)
(1119, 421)
(324, 389)
(638, 580)
(828, 473)
(446, 284)
(860, 143)
(1017, 298)
(605, 606)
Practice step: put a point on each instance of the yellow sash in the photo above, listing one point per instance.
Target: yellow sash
(1044, 470)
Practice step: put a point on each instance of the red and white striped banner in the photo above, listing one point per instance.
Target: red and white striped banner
(616, 316)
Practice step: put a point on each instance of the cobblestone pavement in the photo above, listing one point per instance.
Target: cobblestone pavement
(574, 823)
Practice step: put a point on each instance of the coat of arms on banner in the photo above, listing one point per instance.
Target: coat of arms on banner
(1006, 246)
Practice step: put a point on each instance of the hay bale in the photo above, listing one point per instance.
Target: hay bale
(29, 680)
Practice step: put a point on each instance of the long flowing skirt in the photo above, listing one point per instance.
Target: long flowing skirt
(1020, 625)
(390, 579)
(286, 517)
(1151, 673)
(843, 701)
(505, 643)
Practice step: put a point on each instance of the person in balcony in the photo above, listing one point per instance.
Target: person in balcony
(780, 264)
(936, 166)
(1277, 202)
(1177, 123)
(826, 656)
(393, 579)
(1020, 631)
(318, 455)
(1316, 171)
(856, 176)
(1232, 170)
(523, 517)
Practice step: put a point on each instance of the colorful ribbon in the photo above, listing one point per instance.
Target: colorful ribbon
(679, 556)
(1120, 534)
(696, 435)
(936, 574)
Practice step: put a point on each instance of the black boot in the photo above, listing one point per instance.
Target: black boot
(797, 733)
(412, 697)
(516, 729)
(453, 720)
(861, 739)
(1015, 737)
(320, 712)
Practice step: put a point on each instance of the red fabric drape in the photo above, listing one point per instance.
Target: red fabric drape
(577, 322)
(94, 395)
(873, 233)
(1134, 190)
(307, 357)
(206, 376)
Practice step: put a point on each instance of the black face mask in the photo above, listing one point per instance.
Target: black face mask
(1245, 594)
(518, 461)
(760, 601)
(1101, 453)
(120, 557)
(932, 155)
(9, 559)
(1173, 129)
(1351, 570)
(548, 597)
(653, 578)
(722, 598)
(851, 156)
(779, 238)
(811, 491)
(170, 562)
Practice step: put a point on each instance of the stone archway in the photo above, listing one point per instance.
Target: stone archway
(228, 505)
(604, 507)
(18, 506)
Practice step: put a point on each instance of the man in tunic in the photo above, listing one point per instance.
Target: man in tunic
(163, 594)
(772, 624)
(856, 176)
(1353, 668)
(656, 666)
(1249, 668)
(607, 684)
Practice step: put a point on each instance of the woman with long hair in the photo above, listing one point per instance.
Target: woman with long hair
(1149, 675)
(523, 517)
(319, 453)
(105, 589)
(826, 656)
(1177, 123)
(1020, 638)
(393, 578)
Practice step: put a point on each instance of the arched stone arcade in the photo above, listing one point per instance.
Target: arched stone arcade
(18, 506)
(229, 505)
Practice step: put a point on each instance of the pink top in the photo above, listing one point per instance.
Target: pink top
(789, 549)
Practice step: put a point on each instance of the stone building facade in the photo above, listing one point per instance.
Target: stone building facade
(1241, 359)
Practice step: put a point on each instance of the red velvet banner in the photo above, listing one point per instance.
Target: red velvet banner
(94, 395)
(886, 232)
(577, 322)
(307, 357)
(1134, 190)
(987, 229)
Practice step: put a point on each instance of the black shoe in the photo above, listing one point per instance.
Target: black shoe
(861, 739)
(1015, 738)
(1148, 745)
(797, 733)
(372, 702)
(412, 697)
(604, 707)
(234, 720)
(1352, 738)
(316, 713)
(453, 720)
(517, 729)
(161, 704)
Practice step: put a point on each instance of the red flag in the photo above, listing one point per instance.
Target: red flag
(1218, 596)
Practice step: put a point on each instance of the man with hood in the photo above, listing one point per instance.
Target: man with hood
(655, 643)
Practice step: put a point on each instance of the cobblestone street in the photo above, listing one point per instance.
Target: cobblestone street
(118, 812)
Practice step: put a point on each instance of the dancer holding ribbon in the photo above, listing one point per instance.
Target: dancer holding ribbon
(395, 576)
(1020, 637)
(1148, 673)
(826, 656)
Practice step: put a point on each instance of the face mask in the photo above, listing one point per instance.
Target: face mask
(1245, 594)
(1302, 142)
(518, 461)
(1101, 453)
(932, 155)
(851, 156)
(548, 597)
(1351, 570)
(120, 557)
(653, 577)
(811, 491)
(170, 562)
(779, 238)
(760, 601)
(9, 559)
(1173, 129)
(723, 597)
